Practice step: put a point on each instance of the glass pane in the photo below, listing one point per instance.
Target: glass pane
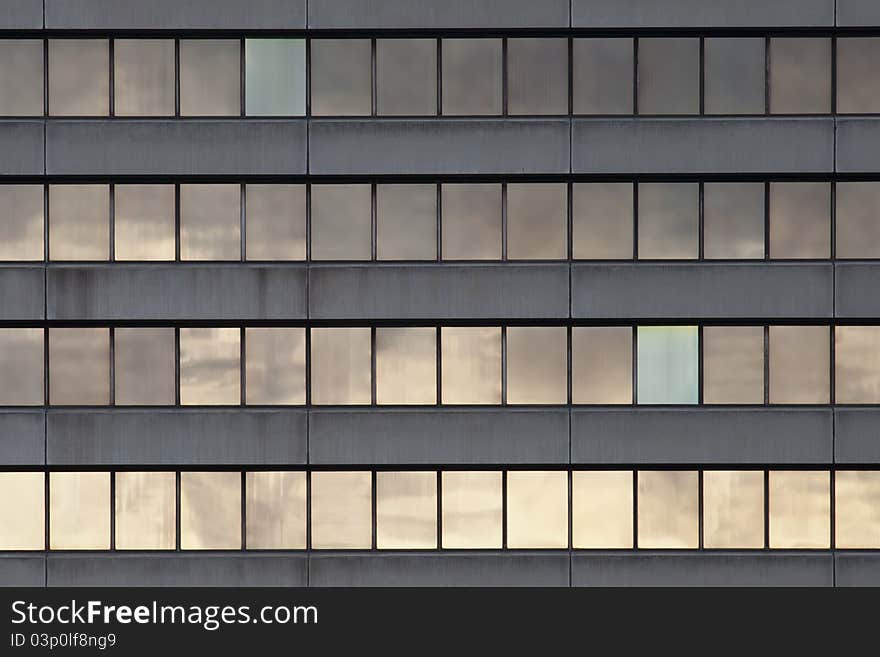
(406, 510)
(734, 74)
(471, 76)
(733, 365)
(146, 511)
(21, 367)
(471, 510)
(733, 220)
(537, 365)
(144, 216)
(210, 77)
(733, 509)
(800, 220)
(209, 366)
(537, 76)
(210, 510)
(406, 365)
(858, 220)
(668, 364)
(669, 515)
(857, 364)
(537, 509)
(857, 509)
(79, 77)
(276, 222)
(275, 76)
(471, 365)
(602, 221)
(341, 366)
(471, 222)
(341, 77)
(210, 222)
(79, 225)
(21, 222)
(603, 76)
(406, 222)
(407, 77)
(537, 221)
(276, 365)
(669, 76)
(144, 372)
(858, 88)
(601, 361)
(800, 76)
(276, 510)
(79, 511)
(79, 366)
(602, 510)
(21, 77)
(342, 510)
(341, 222)
(143, 77)
(669, 221)
(799, 364)
(800, 510)
(24, 522)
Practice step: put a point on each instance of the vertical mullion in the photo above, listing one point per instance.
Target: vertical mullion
(177, 222)
(766, 509)
(177, 496)
(111, 96)
(767, 76)
(702, 100)
(767, 209)
(308, 46)
(504, 83)
(832, 540)
(700, 367)
(242, 370)
(374, 222)
(504, 474)
(439, 510)
(243, 221)
(438, 337)
(373, 366)
(766, 365)
(635, 244)
(700, 510)
(701, 220)
(635, 365)
(504, 366)
(176, 77)
(374, 515)
(439, 222)
(503, 221)
(45, 77)
(177, 366)
(47, 502)
(242, 75)
(112, 365)
(635, 76)
(635, 509)
(112, 510)
(243, 511)
(308, 476)
(112, 219)
(439, 77)
(374, 101)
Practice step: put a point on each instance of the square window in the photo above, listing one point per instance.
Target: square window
(21, 222)
(602, 221)
(537, 221)
(79, 225)
(341, 366)
(406, 510)
(471, 222)
(21, 367)
(210, 77)
(733, 365)
(669, 516)
(276, 365)
(275, 77)
(210, 222)
(341, 77)
(800, 76)
(210, 360)
(537, 509)
(799, 365)
(733, 509)
(341, 222)
(602, 509)
(858, 220)
(79, 77)
(603, 76)
(668, 363)
(733, 221)
(342, 510)
(406, 365)
(471, 365)
(24, 522)
(472, 510)
(21, 77)
(143, 77)
(79, 510)
(144, 222)
(144, 372)
(276, 510)
(800, 220)
(857, 509)
(537, 365)
(669, 76)
(857, 364)
(210, 510)
(471, 76)
(800, 510)
(601, 362)
(146, 511)
(537, 76)
(406, 222)
(858, 89)
(407, 77)
(734, 76)
(276, 222)
(669, 221)
(79, 366)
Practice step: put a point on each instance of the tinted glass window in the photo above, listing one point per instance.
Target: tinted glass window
(79, 77)
(341, 81)
(537, 221)
(406, 510)
(407, 77)
(144, 222)
(471, 76)
(276, 510)
(210, 366)
(341, 366)
(733, 365)
(471, 365)
(857, 509)
(537, 76)
(603, 76)
(733, 509)
(210, 222)
(146, 511)
(733, 220)
(276, 365)
(21, 77)
(143, 77)
(537, 364)
(799, 364)
(21, 222)
(406, 365)
(734, 76)
(210, 510)
(472, 515)
(342, 510)
(601, 365)
(858, 88)
(471, 222)
(79, 226)
(800, 220)
(669, 221)
(23, 523)
(668, 509)
(800, 76)
(21, 367)
(602, 509)
(857, 364)
(144, 361)
(800, 510)
(537, 509)
(79, 511)
(858, 220)
(668, 364)
(275, 77)
(602, 221)
(276, 222)
(341, 222)
(406, 222)
(669, 76)
(79, 366)
(210, 77)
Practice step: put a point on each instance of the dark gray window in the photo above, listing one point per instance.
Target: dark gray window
(407, 77)
(800, 220)
(800, 76)
(537, 76)
(734, 76)
(603, 76)
(733, 220)
(471, 76)
(341, 77)
(858, 85)
(21, 77)
(669, 76)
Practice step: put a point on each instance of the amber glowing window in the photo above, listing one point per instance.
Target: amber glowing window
(341, 366)
(857, 509)
(342, 510)
(79, 510)
(602, 509)
(21, 367)
(79, 366)
(144, 361)
(537, 509)
(733, 509)
(210, 222)
(800, 509)
(406, 365)
(471, 370)
(537, 221)
(602, 221)
(537, 365)
(209, 366)
(144, 222)
(210, 510)
(79, 222)
(146, 510)
(733, 365)
(799, 365)
(22, 515)
(668, 509)
(21, 222)
(406, 510)
(275, 365)
(276, 510)
(471, 510)
(601, 365)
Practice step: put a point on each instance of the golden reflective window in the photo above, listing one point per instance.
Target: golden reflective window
(341, 222)
(79, 510)
(210, 77)
(857, 364)
(471, 221)
(537, 221)
(79, 366)
(406, 222)
(800, 509)
(276, 510)
(276, 222)
(23, 511)
(602, 221)
(146, 510)
(79, 222)
(668, 508)
(602, 509)
(21, 367)
(79, 77)
(799, 365)
(341, 366)
(471, 509)
(144, 222)
(800, 220)
(537, 509)
(406, 366)
(733, 365)
(857, 509)
(210, 222)
(276, 365)
(471, 365)
(144, 366)
(209, 366)
(210, 510)
(601, 362)
(733, 509)
(342, 510)
(537, 365)
(21, 222)
(406, 510)
(143, 77)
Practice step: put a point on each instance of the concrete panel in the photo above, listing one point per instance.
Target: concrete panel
(702, 569)
(429, 437)
(173, 292)
(858, 145)
(702, 13)
(22, 293)
(702, 145)
(21, 148)
(857, 13)
(439, 146)
(857, 569)
(231, 569)
(444, 291)
(22, 437)
(21, 15)
(701, 436)
(166, 437)
(856, 435)
(20, 571)
(851, 281)
(446, 569)
(176, 147)
(701, 291)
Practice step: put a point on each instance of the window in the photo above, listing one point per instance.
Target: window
(733, 365)
(668, 364)
(210, 222)
(734, 76)
(857, 364)
(341, 77)
(858, 228)
(471, 222)
(342, 510)
(275, 75)
(23, 522)
(276, 510)
(144, 222)
(800, 510)
(79, 510)
(79, 226)
(407, 77)
(602, 510)
(857, 509)
(471, 365)
(471, 76)
(79, 77)
(537, 221)
(79, 366)
(537, 76)
(21, 367)
(858, 90)
(276, 222)
(601, 361)
(406, 222)
(210, 510)
(799, 364)
(145, 361)
(800, 76)
(733, 220)
(602, 221)
(210, 77)
(669, 76)
(603, 76)
(472, 510)
(21, 222)
(406, 366)
(276, 365)
(406, 510)
(341, 366)
(341, 222)
(143, 77)
(537, 509)
(669, 221)
(537, 365)
(668, 509)
(733, 509)
(800, 220)
(21, 77)
(210, 359)
(146, 510)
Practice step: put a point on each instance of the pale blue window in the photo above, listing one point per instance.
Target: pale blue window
(275, 77)
(668, 365)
